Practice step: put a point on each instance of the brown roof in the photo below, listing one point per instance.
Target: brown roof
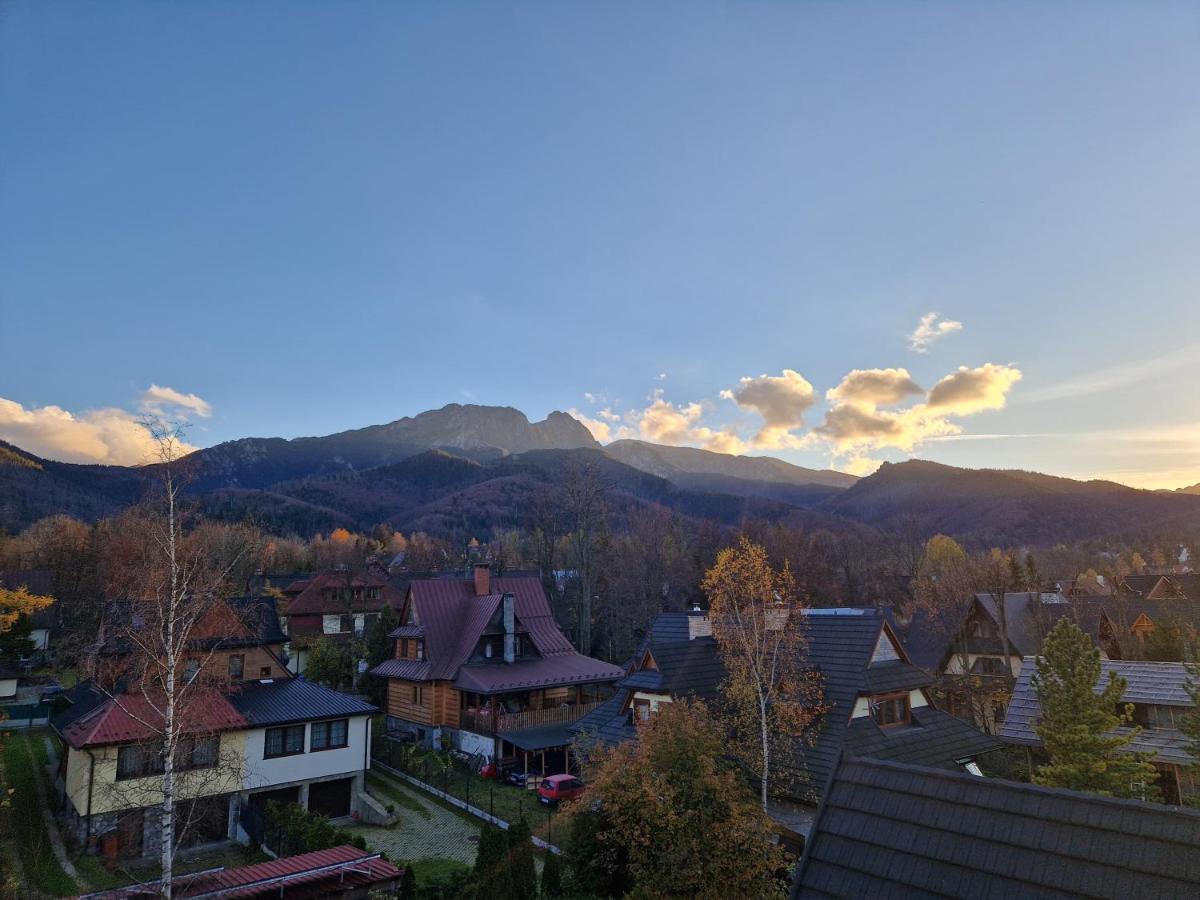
(453, 618)
(315, 598)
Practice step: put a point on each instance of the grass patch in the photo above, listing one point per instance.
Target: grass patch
(104, 876)
(396, 795)
(22, 815)
(435, 868)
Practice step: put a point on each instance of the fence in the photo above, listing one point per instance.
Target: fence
(481, 721)
(25, 715)
(450, 780)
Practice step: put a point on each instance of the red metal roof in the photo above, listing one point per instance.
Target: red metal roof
(320, 873)
(135, 717)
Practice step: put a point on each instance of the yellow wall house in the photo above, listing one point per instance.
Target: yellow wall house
(277, 739)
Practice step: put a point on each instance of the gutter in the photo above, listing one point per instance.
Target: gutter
(91, 781)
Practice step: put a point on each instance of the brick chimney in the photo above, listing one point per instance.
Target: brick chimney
(483, 579)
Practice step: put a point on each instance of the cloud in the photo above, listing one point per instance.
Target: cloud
(601, 431)
(164, 401)
(855, 424)
(1117, 377)
(929, 329)
(874, 387)
(781, 400)
(970, 391)
(861, 466)
(109, 436)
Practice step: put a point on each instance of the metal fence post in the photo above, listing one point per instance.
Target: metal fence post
(492, 799)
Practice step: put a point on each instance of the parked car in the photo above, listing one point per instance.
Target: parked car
(557, 788)
(52, 690)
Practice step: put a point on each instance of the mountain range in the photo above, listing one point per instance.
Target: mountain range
(471, 468)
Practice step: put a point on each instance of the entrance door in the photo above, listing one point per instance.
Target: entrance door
(331, 798)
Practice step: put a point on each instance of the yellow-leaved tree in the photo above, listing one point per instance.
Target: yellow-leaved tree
(771, 695)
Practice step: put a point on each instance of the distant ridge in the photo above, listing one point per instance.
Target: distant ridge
(668, 462)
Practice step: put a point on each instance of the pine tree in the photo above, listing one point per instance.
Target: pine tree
(1076, 727)
(523, 883)
(552, 876)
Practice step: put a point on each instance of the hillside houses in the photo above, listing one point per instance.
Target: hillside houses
(481, 665)
(877, 702)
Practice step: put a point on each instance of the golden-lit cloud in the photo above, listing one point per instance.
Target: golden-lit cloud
(600, 430)
(854, 423)
(970, 391)
(109, 436)
(930, 329)
(874, 387)
(781, 401)
(663, 422)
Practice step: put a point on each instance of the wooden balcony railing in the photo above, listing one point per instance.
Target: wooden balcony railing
(482, 722)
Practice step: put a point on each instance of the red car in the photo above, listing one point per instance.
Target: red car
(560, 787)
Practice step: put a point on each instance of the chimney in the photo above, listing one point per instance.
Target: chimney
(510, 628)
(483, 579)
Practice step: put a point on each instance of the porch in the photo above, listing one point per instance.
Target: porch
(492, 714)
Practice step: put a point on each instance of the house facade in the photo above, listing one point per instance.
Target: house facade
(337, 605)
(1159, 695)
(479, 661)
(249, 732)
(877, 702)
(285, 740)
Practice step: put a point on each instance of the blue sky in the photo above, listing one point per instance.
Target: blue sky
(297, 218)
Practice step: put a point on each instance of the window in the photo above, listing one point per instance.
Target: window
(487, 649)
(329, 735)
(890, 710)
(641, 710)
(988, 665)
(420, 649)
(237, 666)
(138, 761)
(331, 624)
(360, 624)
(285, 741)
(191, 668)
(418, 695)
(197, 752)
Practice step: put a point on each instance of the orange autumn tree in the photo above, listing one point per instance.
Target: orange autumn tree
(677, 814)
(18, 602)
(771, 695)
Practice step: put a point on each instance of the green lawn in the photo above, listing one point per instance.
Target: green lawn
(21, 814)
(504, 801)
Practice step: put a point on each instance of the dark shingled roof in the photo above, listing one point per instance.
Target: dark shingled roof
(841, 643)
(294, 700)
(1151, 683)
(892, 830)
(551, 671)
(938, 740)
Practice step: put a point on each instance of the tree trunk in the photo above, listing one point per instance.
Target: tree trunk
(766, 748)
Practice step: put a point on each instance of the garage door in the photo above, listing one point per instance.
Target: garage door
(331, 798)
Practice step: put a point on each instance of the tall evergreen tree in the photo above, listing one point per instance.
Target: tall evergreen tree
(552, 885)
(523, 883)
(1077, 722)
(379, 648)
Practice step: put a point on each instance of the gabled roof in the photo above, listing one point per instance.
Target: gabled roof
(230, 623)
(452, 619)
(315, 598)
(892, 830)
(938, 739)
(1152, 683)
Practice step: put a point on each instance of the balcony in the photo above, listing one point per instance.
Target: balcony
(481, 721)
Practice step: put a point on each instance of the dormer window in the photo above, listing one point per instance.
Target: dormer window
(420, 649)
(487, 650)
(891, 709)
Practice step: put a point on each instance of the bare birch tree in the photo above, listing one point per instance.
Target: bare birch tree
(168, 636)
(771, 695)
